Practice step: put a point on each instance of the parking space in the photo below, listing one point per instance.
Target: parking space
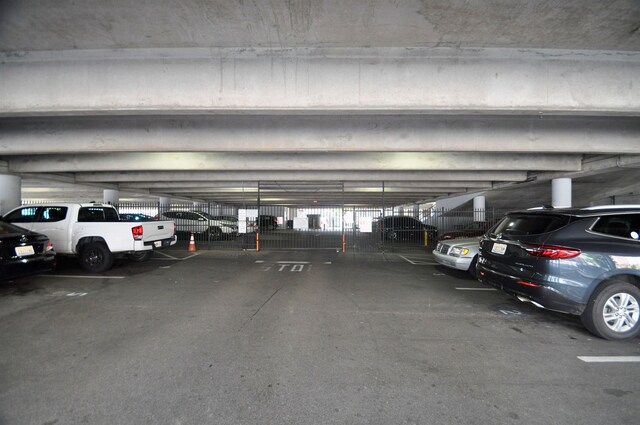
(298, 337)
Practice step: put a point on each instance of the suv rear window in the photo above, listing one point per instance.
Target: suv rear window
(623, 225)
(530, 224)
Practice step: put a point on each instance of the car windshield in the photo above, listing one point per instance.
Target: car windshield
(529, 224)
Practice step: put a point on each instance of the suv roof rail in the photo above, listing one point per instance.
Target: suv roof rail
(542, 207)
(612, 207)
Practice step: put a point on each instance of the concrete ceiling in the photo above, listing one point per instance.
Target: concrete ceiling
(152, 139)
(27, 25)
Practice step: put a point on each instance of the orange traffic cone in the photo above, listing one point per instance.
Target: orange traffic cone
(192, 244)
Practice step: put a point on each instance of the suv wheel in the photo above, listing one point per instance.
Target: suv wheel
(613, 312)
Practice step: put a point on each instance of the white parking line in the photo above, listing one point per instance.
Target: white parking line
(418, 263)
(610, 359)
(292, 262)
(172, 258)
(476, 289)
(82, 277)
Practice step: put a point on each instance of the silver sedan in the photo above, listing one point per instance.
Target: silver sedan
(460, 254)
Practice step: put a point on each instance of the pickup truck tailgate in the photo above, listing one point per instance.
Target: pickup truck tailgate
(156, 230)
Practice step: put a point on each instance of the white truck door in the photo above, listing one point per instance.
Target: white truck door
(53, 221)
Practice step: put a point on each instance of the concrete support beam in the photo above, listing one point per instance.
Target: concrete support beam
(379, 133)
(288, 176)
(440, 79)
(561, 193)
(298, 162)
(111, 196)
(452, 185)
(10, 196)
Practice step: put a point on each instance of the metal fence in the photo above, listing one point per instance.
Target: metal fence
(337, 227)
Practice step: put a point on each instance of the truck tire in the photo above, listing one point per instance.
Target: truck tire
(140, 256)
(95, 257)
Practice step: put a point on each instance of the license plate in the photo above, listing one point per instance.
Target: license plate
(23, 251)
(499, 248)
(157, 244)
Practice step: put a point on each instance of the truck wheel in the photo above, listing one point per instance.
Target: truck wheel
(613, 312)
(95, 257)
(140, 256)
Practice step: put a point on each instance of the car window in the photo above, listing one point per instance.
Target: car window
(22, 215)
(623, 225)
(530, 224)
(191, 216)
(53, 214)
(88, 214)
(169, 214)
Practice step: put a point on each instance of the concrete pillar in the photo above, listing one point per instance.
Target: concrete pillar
(111, 196)
(479, 212)
(164, 201)
(10, 192)
(561, 193)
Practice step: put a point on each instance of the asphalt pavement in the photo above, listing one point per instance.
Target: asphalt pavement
(316, 337)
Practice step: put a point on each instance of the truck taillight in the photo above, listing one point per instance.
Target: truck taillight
(137, 231)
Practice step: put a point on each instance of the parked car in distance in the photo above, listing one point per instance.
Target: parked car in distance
(267, 222)
(469, 230)
(405, 228)
(23, 253)
(582, 261)
(135, 217)
(460, 254)
(204, 225)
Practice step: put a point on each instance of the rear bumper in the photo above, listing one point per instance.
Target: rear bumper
(161, 243)
(26, 267)
(543, 296)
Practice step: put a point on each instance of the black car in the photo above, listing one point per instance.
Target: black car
(405, 228)
(23, 253)
(583, 261)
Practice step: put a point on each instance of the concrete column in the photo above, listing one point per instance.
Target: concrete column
(479, 212)
(111, 196)
(561, 193)
(164, 201)
(10, 192)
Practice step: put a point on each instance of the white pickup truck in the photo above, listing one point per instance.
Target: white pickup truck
(93, 232)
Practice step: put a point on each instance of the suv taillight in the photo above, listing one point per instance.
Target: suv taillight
(552, 252)
(137, 233)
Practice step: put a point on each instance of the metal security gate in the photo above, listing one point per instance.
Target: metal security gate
(328, 222)
(301, 228)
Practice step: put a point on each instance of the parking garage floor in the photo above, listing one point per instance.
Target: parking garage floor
(314, 337)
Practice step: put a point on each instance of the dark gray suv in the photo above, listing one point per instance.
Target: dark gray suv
(582, 261)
